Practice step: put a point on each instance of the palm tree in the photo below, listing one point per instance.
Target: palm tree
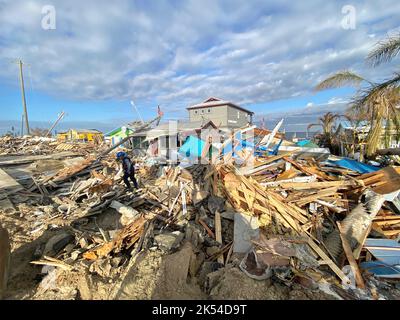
(357, 137)
(379, 101)
(327, 122)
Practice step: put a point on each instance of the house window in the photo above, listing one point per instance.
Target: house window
(209, 110)
(195, 111)
(202, 111)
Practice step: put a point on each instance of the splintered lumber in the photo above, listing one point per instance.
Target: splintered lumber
(384, 181)
(350, 257)
(69, 172)
(124, 239)
(289, 174)
(49, 261)
(278, 183)
(28, 159)
(218, 234)
(328, 261)
(206, 147)
(303, 169)
(248, 196)
(341, 184)
(316, 171)
(275, 158)
(315, 196)
(331, 206)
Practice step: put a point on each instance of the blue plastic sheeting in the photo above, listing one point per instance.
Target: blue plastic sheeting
(192, 147)
(241, 145)
(385, 250)
(381, 269)
(302, 143)
(274, 151)
(354, 165)
(307, 144)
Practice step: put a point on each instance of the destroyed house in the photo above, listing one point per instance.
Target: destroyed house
(167, 138)
(137, 140)
(80, 135)
(224, 114)
(353, 139)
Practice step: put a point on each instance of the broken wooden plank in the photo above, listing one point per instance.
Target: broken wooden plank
(350, 258)
(341, 184)
(328, 261)
(218, 234)
(48, 261)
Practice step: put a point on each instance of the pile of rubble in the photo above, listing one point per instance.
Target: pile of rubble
(280, 227)
(39, 145)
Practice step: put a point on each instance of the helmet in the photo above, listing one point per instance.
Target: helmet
(121, 154)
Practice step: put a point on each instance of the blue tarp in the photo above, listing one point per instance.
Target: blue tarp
(302, 143)
(192, 147)
(307, 144)
(353, 165)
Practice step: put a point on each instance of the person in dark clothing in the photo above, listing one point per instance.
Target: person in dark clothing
(128, 168)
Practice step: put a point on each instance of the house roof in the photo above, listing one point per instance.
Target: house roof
(116, 130)
(215, 102)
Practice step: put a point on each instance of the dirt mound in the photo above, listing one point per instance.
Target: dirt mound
(158, 276)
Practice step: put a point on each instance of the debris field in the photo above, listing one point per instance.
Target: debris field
(276, 227)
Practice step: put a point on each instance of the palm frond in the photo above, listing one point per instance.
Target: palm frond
(384, 50)
(369, 96)
(340, 79)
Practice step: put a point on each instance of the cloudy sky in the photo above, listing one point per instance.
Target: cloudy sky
(264, 55)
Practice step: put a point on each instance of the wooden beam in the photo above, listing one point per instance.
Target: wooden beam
(350, 257)
(218, 234)
(318, 185)
(328, 261)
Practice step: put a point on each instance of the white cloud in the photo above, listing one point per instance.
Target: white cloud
(180, 52)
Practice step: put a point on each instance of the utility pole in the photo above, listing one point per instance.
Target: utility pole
(22, 125)
(61, 115)
(21, 76)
